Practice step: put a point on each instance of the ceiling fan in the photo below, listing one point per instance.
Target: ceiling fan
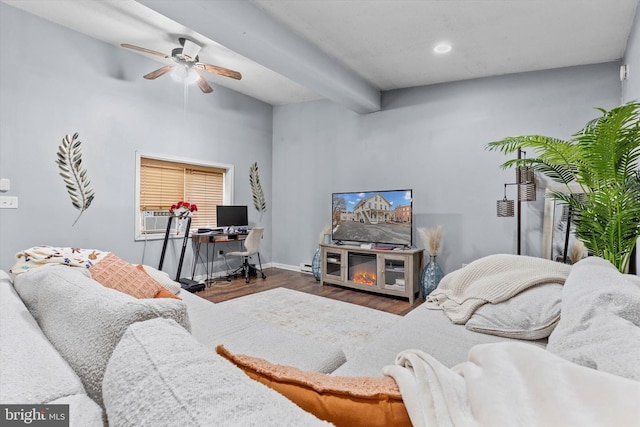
(187, 58)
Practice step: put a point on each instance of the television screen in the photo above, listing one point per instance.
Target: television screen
(227, 216)
(373, 217)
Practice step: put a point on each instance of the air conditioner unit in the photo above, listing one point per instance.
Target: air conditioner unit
(155, 222)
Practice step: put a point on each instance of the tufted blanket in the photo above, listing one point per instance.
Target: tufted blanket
(492, 279)
(40, 256)
(512, 384)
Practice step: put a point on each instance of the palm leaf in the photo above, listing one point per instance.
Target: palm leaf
(69, 160)
(259, 201)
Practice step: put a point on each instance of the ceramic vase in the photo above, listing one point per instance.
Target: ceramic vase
(430, 277)
(315, 265)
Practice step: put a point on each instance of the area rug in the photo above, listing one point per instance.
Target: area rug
(347, 325)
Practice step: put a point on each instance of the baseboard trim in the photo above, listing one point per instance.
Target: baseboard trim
(222, 274)
(289, 267)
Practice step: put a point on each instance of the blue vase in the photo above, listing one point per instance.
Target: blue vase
(315, 265)
(430, 277)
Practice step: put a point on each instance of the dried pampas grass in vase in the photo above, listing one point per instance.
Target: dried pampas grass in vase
(432, 273)
(431, 238)
(578, 251)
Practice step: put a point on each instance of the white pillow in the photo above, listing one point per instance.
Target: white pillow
(85, 320)
(159, 375)
(530, 315)
(163, 278)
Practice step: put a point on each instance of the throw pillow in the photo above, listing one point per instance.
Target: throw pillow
(164, 293)
(160, 375)
(118, 274)
(162, 278)
(85, 320)
(600, 324)
(343, 401)
(530, 315)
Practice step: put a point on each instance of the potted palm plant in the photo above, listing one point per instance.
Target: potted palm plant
(603, 158)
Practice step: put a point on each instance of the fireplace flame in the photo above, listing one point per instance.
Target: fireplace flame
(364, 277)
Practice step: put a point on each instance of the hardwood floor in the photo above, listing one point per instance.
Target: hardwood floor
(221, 290)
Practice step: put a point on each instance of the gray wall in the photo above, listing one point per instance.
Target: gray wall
(54, 81)
(430, 139)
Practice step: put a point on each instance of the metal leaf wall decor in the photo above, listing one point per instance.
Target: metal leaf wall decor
(75, 177)
(256, 189)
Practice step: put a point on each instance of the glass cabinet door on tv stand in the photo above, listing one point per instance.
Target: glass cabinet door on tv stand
(332, 263)
(390, 272)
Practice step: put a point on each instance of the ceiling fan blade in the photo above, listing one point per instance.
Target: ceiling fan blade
(145, 50)
(218, 70)
(190, 49)
(159, 72)
(203, 85)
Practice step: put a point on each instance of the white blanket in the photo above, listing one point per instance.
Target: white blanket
(512, 384)
(491, 279)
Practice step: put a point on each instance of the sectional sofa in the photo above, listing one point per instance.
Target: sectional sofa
(124, 361)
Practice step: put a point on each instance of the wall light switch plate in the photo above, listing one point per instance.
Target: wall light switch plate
(8, 202)
(5, 184)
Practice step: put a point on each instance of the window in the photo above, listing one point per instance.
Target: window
(163, 181)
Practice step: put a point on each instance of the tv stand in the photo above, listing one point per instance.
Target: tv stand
(389, 272)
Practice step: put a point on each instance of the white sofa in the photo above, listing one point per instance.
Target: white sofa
(82, 344)
(140, 365)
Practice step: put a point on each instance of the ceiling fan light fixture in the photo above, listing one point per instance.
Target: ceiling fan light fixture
(442, 48)
(184, 73)
(192, 76)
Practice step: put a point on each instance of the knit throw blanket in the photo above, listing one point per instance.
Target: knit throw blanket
(492, 279)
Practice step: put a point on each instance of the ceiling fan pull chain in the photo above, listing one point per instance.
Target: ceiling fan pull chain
(186, 98)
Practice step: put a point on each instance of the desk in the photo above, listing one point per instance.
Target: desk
(210, 240)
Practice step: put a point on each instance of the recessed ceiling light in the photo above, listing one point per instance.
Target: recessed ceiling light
(442, 48)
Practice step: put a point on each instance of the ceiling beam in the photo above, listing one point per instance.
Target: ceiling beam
(246, 29)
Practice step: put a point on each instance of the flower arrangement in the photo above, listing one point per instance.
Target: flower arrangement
(183, 209)
(431, 238)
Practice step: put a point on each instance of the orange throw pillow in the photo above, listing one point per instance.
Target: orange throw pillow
(166, 293)
(343, 401)
(118, 274)
(162, 292)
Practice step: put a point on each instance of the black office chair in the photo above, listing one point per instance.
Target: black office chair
(251, 244)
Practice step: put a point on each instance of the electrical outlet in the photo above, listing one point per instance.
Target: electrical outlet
(8, 202)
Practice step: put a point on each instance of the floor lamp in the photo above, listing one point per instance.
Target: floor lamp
(526, 183)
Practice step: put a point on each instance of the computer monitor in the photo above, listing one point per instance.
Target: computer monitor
(227, 216)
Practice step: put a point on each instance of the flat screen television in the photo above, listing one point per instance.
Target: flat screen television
(383, 217)
(228, 216)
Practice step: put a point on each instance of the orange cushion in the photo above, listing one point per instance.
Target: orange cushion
(162, 292)
(165, 293)
(343, 401)
(118, 274)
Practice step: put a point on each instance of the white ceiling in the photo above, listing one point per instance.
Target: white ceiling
(297, 50)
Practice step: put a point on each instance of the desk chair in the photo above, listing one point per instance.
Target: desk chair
(251, 244)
